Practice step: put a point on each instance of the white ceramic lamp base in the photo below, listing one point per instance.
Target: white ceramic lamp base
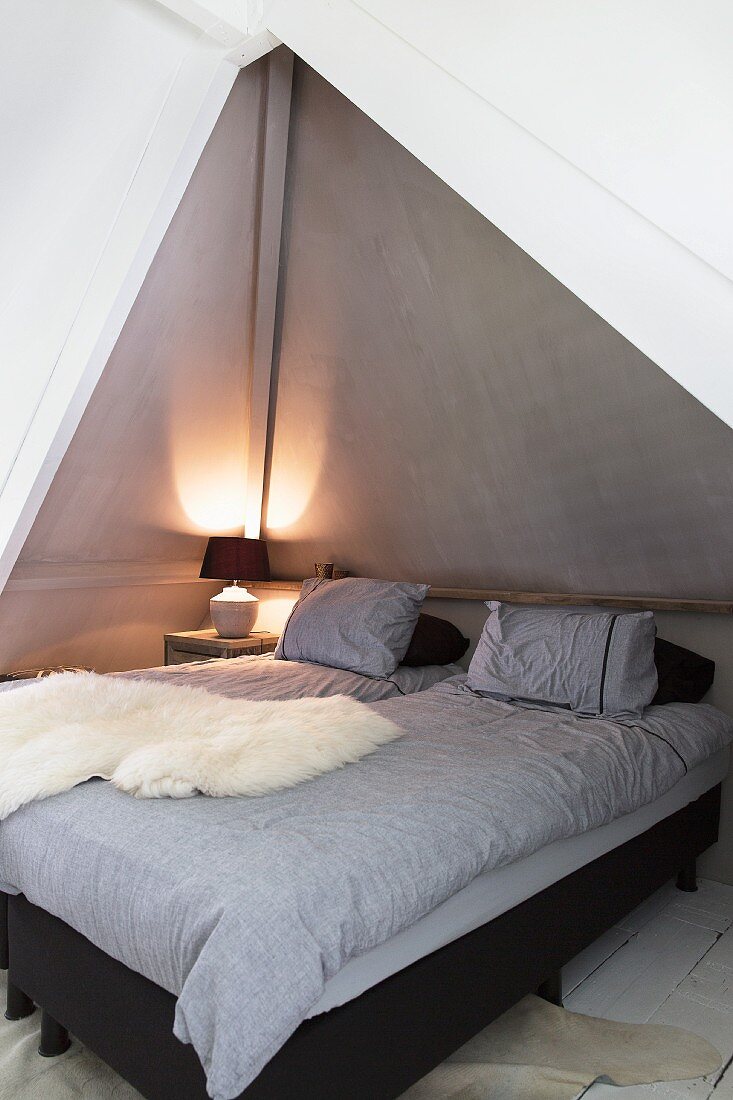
(233, 615)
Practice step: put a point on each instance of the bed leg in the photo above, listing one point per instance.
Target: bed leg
(18, 1004)
(54, 1038)
(551, 990)
(4, 954)
(687, 877)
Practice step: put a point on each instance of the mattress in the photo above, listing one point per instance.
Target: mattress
(495, 892)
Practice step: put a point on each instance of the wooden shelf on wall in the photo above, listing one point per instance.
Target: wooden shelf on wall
(562, 599)
(570, 599)
(53, 575)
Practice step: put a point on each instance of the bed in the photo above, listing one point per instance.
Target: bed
(407, 900)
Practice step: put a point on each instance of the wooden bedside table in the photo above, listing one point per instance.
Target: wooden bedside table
(202, 645)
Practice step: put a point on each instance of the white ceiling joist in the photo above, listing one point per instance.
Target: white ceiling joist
(237, 24)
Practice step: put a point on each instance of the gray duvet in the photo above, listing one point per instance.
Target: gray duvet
(243, 908)
(265, 678)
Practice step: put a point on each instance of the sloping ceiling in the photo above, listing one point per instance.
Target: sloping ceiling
(158, 460)
(447, 411)
(597, 137)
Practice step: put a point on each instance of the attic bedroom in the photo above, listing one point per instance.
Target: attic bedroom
(366, 551)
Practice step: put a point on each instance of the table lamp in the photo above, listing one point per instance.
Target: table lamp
(234, 610)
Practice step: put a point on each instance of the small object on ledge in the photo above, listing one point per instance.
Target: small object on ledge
(326, 571)
(234, 611)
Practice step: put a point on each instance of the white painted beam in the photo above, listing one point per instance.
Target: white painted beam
(275, 148)
(236, 24)
(648, 283)
(225, 21)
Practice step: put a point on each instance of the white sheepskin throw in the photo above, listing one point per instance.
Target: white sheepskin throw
(156, 741)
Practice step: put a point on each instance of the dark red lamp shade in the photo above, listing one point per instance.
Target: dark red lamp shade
(228, 558)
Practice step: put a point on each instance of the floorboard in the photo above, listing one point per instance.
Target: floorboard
(639, 977)
(668, 962)
(588, 961)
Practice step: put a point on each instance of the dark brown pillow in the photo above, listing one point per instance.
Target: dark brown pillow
(684, 676)
(434, 642)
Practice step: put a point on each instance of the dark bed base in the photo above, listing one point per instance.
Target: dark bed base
(374, 1047)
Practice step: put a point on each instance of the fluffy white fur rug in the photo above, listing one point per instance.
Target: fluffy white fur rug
(155, 740)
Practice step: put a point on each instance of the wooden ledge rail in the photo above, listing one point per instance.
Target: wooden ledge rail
(566, 599)
(38, 575)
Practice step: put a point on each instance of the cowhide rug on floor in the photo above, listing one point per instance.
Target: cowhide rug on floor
(533, 1051)
(544, 1052)
(170, 741)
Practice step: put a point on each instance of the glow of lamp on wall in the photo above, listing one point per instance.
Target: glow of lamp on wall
(213, 500)
(287, 502)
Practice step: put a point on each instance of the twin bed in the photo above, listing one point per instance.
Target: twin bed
(343, 937)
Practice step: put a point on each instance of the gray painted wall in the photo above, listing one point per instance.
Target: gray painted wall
(158, 461)
(446, 411)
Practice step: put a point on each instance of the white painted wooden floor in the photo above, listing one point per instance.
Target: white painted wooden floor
(669, 962)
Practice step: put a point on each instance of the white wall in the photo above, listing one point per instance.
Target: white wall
(598, 137)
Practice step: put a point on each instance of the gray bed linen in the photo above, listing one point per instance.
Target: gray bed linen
(593, 662)
(243, 908)
(262, 677)
(357, 623)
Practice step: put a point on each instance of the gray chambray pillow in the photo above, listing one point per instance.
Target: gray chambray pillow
(358, 624)
(595, 662)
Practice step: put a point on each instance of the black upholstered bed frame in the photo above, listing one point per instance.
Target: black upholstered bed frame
(373, 1047)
